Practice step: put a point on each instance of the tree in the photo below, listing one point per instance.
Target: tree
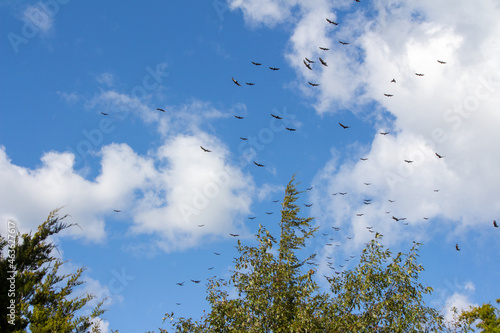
(487, 314)
(277, 292)
(40, 300)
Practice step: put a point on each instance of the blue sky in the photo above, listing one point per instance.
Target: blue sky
(67, 62)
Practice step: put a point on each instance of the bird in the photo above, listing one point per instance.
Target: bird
(408, 161)
(441, 62)
(258, 164)
(359, 214)
(217, 254)
(343, 43)
(342, 193)
(309, 188)
(308, 205)
(384, 133)
(456, 247)
(244, 139)
(313, 84)
(290, 129)
(440, 156)
(251, 218)
(180, 283)
(393, 81)
(104, 114)
(495, 224)
(395, 218)
(309, 61)
(363, 159)
(196, 281)
(269, 213)
(388, 95)
(332, 22)
(234, 235)
(324, 48)
(426, 218)
(160, 110)
(205, 150)
(239, 117)
(275, 200)
(391, 201)
(436, 190)
(249, 83)
(210, 268)
(367, 183)
(256, 63)
(419, 74)
(343, 126)
(307, 64)
(116, 210)
(323, 62)
(236, 82)
(201, 225)
(275, 116)
(274, 68)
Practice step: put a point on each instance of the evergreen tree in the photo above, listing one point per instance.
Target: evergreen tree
(41, 300)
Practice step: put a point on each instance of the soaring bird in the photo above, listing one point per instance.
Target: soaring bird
(360, 214)
(309, 188)
(309, 61)
(251, 218)
(408, 161)
(275, 116)
(234, 235)
(236, 82)
(440, 156)
(388, 95)
(313, 84)
(290, 129)
(258, 164)
(441, 62)
(343, 43)
(367, 184)
(269, 213)
(384, 133)
(256, 63)
(249, 83)
(238, 117)
(393, 81)
(196, 281)
(217, 254)
(201, 225)
(307, 64)
(363, 159)
(395, 218)
(324, 48)
(116, 210)
(275, 200)
(205, 150)
(332, 22)
(391, 201)
(419, 74)
(342, 193)
(104, 114)
(456, 247)
(323, 62)
(180, 283)
(308, 205)
(244, 139)
(274, 68)
(343, 126)
(161, 110)
(426, 218)
(495, 224)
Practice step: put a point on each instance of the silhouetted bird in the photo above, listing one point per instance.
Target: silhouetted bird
(456, 247)
(332, 22)
(258, 164)
(313, 84)
(343, 126)
(256, 63)
(274, 68)
(440, 156)
(205, 150)
(495, 224)
(388, 95)
(236, 82)
(161, 110)
(275, 116)
(441, 62)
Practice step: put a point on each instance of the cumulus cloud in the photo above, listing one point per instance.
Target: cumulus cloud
(450, 110)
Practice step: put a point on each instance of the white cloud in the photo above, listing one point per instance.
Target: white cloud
(458, 301)
(451, 110)
(107, 79)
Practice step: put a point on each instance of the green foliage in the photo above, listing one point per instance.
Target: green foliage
(488, 316)
(277, 293)
(42, 302)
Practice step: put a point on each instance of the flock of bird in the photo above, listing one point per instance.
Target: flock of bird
(309, 64)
